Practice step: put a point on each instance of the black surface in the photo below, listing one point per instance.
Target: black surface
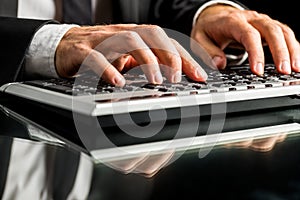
(225, 173)
(61, 122)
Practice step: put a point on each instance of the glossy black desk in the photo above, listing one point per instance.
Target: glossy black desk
(33, 165)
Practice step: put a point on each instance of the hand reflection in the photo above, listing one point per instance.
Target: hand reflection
(261, 145)
(146, 165)
(149, 164)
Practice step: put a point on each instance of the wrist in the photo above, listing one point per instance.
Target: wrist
(213, 3)
(40, 60)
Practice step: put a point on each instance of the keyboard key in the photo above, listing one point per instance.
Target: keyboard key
(234, 78)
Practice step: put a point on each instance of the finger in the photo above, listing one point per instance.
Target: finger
(124, 63)
(293, 47)
(129, 42)
(189, 66)
(164, 50)
(274, 36)
(99, 64)
(203, 46)
(242, 144)
(265, 144)
(153, 164)
(251, 39)
(128, 165)
(281, 137)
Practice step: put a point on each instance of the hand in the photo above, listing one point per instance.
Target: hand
(222, 26)
(112, 49)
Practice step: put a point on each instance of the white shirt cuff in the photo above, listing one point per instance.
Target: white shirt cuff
(213, 2)
(40, 55)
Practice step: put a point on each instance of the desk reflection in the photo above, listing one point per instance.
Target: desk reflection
(260, 145)
(146, 165)
(35, 170)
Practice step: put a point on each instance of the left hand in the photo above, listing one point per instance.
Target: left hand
(220, 26)
(110, 49)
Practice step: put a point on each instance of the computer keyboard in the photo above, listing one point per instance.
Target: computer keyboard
(235, 89)
(233, 78)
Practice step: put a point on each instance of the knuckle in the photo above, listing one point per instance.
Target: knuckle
(254, 15)
(80, 47)
(265, 16)
(173, 57)
(249, 34)
(175, 42)
(129, 36)
(75, 47)
(273, 27)
(287, 30)
(232, 17)
(154, 30)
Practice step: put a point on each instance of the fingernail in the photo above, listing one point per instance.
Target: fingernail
(286, 67)
(216, 61)
(120, 81)
(176, 77)
(296, 65)
(158, 79)
(259, 68)
(200, 73)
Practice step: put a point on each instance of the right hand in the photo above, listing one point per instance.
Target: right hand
(260, 145)
(112, 49)
(147, 165)
(221, 26)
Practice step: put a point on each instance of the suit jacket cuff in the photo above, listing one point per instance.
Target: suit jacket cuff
(15, 37)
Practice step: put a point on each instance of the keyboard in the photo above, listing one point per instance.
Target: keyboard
(234, 84)
(235, 78)
(231, 99)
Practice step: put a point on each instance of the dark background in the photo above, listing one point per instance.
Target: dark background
(286, 11)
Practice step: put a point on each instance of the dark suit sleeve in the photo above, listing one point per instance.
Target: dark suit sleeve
(15, 37)
(175, 14)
